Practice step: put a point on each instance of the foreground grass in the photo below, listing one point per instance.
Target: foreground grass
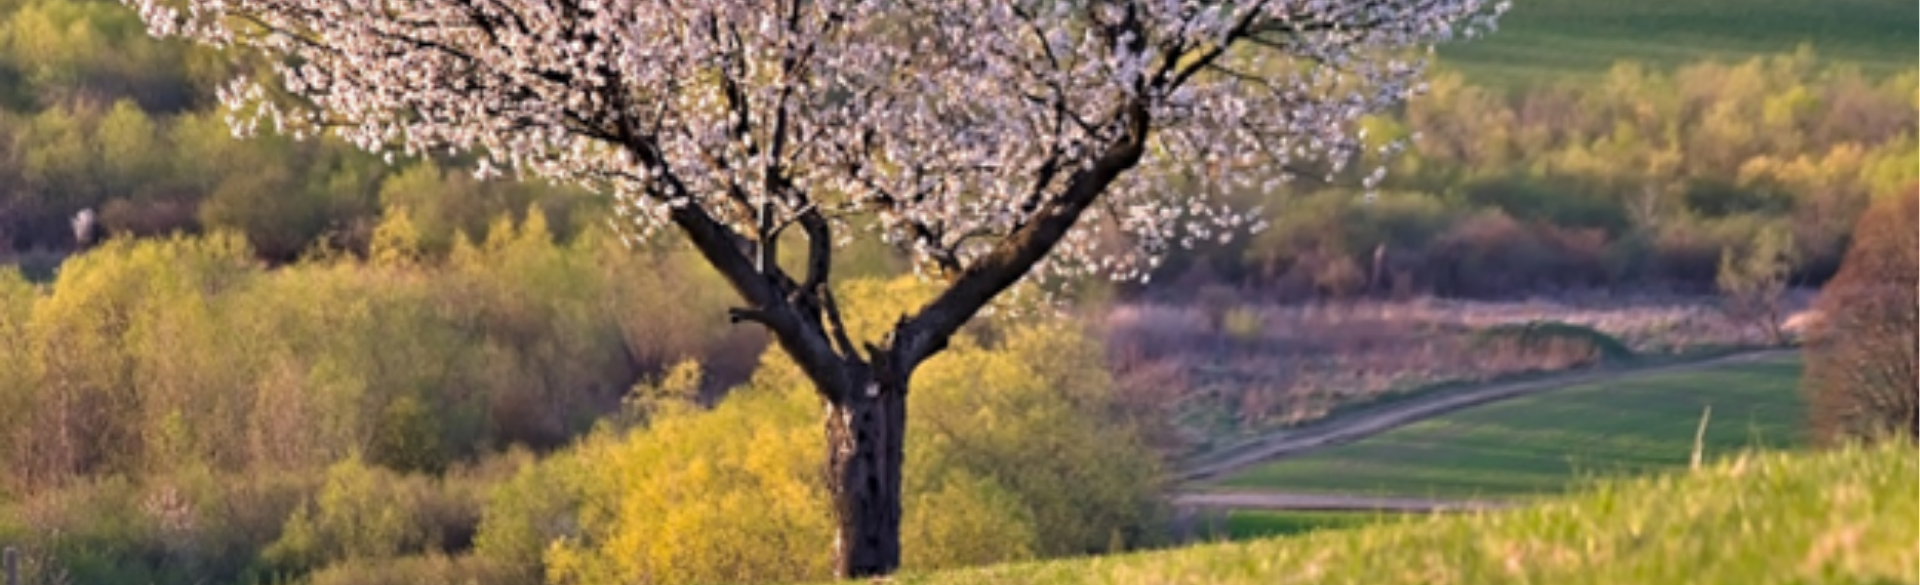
(1844, 516)
(1546, 40)
(1543, 443)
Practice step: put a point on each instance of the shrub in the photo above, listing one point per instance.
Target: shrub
(1492, 255)
(1535, 200)
(731, 495)
(539, 505)
(1861, 362)
(93, 532)
(365, 512)
(429, 569)
(1020, 451)
(1037, 414)
(1559, 345)
(407, 438)
(1753, 282)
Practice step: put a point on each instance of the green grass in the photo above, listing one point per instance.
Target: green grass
(1542, 443)
(1545, 40)
(1845, 516)
(1245, 524)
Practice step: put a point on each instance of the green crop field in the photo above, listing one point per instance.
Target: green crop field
(1542, 443)
(1243, 524)
(1545, 40)
(1844, 516)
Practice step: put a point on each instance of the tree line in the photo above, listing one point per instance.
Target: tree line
(1644, 181)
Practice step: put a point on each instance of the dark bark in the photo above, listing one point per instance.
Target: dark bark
(866, 433)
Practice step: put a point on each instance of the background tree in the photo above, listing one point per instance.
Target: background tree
(1753, 281)
(1861, 362)
(973, 135)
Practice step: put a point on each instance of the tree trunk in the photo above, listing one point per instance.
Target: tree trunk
(865, 432)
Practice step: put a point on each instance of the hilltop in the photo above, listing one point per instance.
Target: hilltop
(1842, 516)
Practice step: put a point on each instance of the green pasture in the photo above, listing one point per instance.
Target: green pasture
(1546, 40)
(1542, 443)
(1244, 524)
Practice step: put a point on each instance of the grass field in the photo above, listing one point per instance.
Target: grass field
(1846, 516)
(1543, 40)
(1541, 444)
(1244, 524)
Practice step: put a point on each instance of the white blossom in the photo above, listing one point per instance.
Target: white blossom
(941, 127)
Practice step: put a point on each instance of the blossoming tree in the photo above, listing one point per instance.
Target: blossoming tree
(988, 139)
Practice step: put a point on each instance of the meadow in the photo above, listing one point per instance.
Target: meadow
(1839, 516)
(1230, 371)
(1544, 443)
(1548, 40)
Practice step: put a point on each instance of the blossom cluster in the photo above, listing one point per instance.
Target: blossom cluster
(942, 127)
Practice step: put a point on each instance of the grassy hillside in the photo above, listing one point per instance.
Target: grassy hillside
(1846, 516)
(1540, 40)
(1542, 443)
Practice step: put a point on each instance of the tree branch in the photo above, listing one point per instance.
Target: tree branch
(927, 331)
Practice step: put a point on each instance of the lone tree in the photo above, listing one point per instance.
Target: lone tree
(1862, 360)
(1753, 282)
(988, 139)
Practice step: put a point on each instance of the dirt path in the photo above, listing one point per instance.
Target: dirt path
(1291, 501)
(1346, 429)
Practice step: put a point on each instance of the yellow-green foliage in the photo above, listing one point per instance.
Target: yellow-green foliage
(366, 512)
(427, 569)
(730, 495)
(356, 515)
(124, 351)
(16, 367)
(220, 392)
(148, 355)
(536, 507)
(1012, 453)
(1033, 415)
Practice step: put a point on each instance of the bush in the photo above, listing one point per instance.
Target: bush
(92, 532)
(188, 526)
(367, 513)
(539, 505)
(1019, 451)
(1861, 362)
(1560, 345)
(1492, 255)
(1753, 282)
(407, 438)
(731, 495)
(427, 569)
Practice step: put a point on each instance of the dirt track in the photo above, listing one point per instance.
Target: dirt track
(1346, 429)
